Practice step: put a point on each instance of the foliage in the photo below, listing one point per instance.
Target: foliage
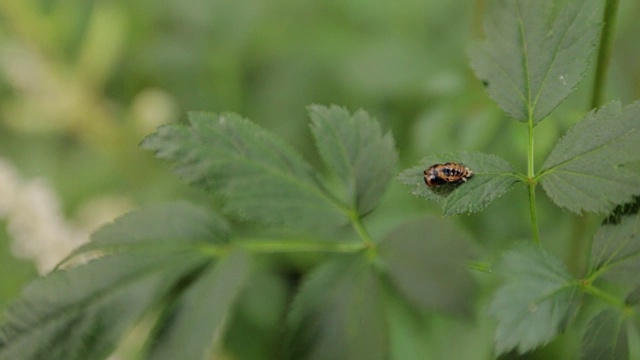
(585, 171)
(532, 59)
(534, 301)
(344, 301)
(301, 244)
(492, 177)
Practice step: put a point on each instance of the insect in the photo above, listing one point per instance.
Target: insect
(447, 173)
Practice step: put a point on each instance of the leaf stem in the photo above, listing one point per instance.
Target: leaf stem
(531, 183)
(290, 246)
(604, 296)
(362, 231)
(604, 52)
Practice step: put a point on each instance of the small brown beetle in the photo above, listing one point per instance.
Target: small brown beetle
(447, 173)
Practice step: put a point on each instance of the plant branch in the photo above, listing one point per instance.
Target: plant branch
(604, 296)
(531, 184)
(604, 52)
(291, 246)
(356, 222)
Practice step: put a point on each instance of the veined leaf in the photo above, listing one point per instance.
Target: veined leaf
(261, 178)
(531, 59)
(160, 227)
(616, 250)
(83, 312)
(492, 177)
(606, 337)
(339, 313)
(195, 324)
(427, 261)
(585, 172)
(355, 148)
(534, 300)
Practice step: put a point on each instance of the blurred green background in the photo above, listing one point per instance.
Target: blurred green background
(83, 81)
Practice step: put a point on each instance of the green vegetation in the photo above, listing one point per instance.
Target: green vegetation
(298, 236)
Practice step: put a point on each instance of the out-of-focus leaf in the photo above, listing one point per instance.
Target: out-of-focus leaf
(615, 252)
(534, 300)
(196, 322)
(261, 178)
(82, 313)
(339, 313)
(492, 177)
(585, 172)
(606, 337)
(170, 226)
(427, 262)
(532, 60)
(355, 148)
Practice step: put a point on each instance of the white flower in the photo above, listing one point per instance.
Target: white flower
(35, 222)
(38, 228)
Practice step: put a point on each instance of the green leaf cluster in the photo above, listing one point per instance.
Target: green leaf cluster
(539, 297)
(83, 312)
(532, 60)
(533, 57)
(186, 270)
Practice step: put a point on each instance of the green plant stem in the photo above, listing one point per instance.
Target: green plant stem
(604, 296)
(480, 266)
(290, 246)
(531, 184)
(604, 52)
(361, 230)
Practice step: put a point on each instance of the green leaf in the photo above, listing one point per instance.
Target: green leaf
(606, 337)
(532, 59)
(261, 178)
(492, 177)
(585, 172)
(160, 227)
(339, 313)
(534, 301)
(196, 322)
(615, 252)
(82, 313)
(426, 260)
(355, 148)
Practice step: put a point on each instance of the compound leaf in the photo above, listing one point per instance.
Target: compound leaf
(190, 331)
(534, 300)
(616, 249)
(532, 59)
(339, 313)
(83, 312)
(261, 178)
(355, 148)
(426, 260)
(585, 172)
(492, 177)
(606, 337)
